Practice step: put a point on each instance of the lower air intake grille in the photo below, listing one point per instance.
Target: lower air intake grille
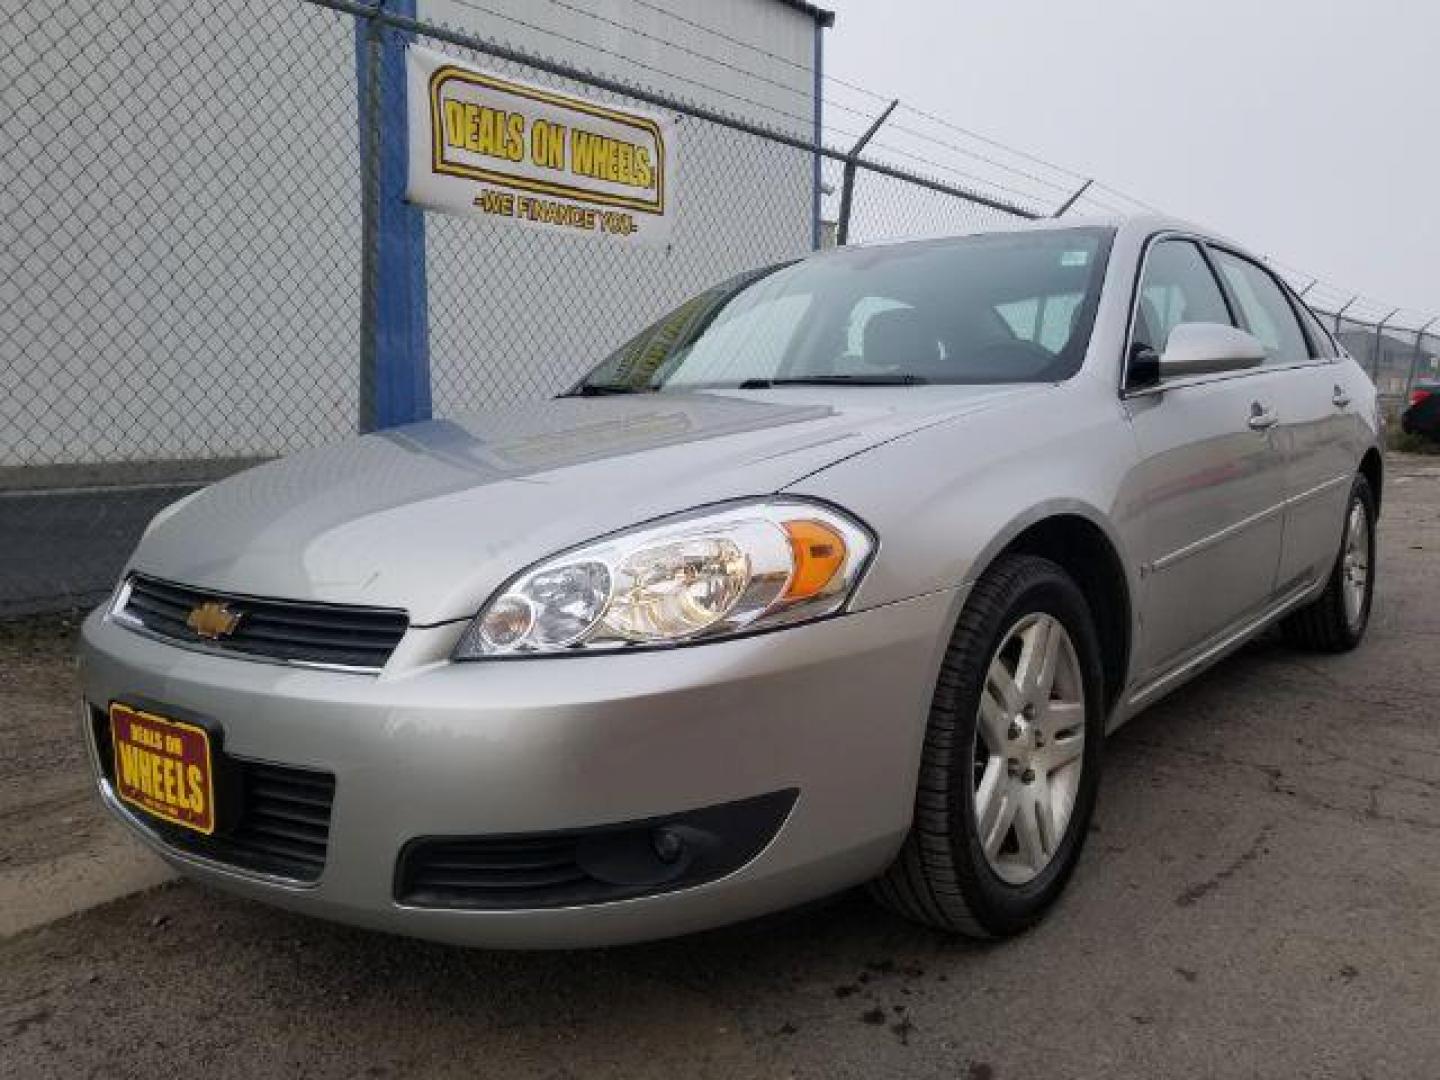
(589, 866)
(275, 820)
(304, 633)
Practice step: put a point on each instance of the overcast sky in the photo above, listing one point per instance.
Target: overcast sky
(1306, 129)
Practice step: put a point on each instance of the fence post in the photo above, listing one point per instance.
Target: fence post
(1341, 313)
(1379, 340)
(1415, 357)
(818, 134)
(847, 187)
(1073, 199)
(394, 337)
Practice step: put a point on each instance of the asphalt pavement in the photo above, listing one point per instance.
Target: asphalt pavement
(64, 548)
(1260, 896)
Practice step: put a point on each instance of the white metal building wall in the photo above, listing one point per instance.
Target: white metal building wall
(180, 229)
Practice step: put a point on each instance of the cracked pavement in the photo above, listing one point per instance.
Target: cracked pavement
(1260, 896)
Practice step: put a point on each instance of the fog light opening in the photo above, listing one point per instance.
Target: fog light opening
(669, 845)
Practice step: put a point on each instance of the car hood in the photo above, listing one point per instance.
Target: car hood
(433, 517)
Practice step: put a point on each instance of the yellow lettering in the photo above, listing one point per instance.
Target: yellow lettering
(514, 136)
(547, 144)
(610, 159)
(128, 768)
(144, 764)
(483, 130)
(196, 797)
(167, 781)
(456, 123)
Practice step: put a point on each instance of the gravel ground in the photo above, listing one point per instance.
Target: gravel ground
(1261, 897)
(47, 807)
(59, 851)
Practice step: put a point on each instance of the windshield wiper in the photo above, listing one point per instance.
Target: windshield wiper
(835, 380)
(606, 389)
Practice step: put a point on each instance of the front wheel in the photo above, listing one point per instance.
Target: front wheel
(1336, 620)
(1011, 761)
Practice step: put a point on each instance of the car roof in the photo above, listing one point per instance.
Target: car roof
(1144, 224)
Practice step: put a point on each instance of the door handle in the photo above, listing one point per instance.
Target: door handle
(1261, 417)
(1340, 397)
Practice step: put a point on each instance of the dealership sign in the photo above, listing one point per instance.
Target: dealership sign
(487, 145)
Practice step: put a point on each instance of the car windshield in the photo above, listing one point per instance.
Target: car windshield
(999, 308)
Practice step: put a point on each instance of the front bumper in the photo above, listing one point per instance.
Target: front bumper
(835, 709)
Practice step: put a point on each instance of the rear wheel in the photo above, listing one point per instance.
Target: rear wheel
(1336, 620)
(1011, 761)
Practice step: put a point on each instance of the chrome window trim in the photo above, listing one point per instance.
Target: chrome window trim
(1194, 380)
(1223, 376)
(1285, 291)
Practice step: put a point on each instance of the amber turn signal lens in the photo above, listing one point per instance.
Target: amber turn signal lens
(819, 553)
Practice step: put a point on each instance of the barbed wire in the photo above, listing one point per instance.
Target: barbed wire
(630, 61)
(829, 103)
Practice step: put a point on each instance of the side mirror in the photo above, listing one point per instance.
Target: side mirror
(1201, 348)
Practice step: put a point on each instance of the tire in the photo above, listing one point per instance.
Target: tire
(1327, 624)
(943, 876)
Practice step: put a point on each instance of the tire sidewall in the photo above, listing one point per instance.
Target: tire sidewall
(1001, 907)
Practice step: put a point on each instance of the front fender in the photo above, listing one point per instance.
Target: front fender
(947, 500)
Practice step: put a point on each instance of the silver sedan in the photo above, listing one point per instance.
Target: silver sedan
(839, 573)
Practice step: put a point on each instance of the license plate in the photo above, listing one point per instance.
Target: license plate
(162, 766)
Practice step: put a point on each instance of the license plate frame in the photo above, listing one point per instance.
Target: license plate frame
(144, 743)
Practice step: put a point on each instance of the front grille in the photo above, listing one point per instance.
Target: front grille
(589, 866)
(301, 633)
(275, 819)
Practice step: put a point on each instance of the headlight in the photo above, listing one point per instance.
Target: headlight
(710, 573)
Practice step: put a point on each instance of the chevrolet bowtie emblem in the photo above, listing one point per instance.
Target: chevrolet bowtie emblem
(213, 620)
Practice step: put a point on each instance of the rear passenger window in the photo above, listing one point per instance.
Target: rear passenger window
(1322, 346)
(1178, 287)
(1264, 309)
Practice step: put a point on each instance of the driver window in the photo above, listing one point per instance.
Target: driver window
(1178, 287)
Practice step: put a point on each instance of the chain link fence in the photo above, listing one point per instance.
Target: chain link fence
(746, 203)
(1396, 347)
(185, 232)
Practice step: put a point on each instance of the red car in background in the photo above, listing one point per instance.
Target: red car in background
(1423, 415)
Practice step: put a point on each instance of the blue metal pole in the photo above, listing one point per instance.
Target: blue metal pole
(819, 95)
(394, 338)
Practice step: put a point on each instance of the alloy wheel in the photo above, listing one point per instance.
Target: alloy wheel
(1355, 563)
(1029, 747)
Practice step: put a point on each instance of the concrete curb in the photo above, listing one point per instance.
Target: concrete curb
(34, 895)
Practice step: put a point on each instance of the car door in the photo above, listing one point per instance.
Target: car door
(1315, 411)
(1209, 490)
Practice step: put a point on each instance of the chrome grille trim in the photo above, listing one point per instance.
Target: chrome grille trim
(328, 637)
